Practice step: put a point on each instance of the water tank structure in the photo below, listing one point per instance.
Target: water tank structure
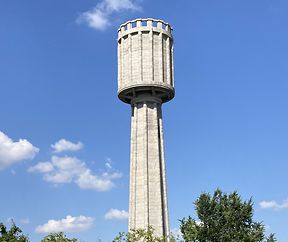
(146, 81)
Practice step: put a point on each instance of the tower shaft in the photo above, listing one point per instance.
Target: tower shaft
(148, 196)
(145, 81)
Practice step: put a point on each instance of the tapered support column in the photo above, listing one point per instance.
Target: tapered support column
(148, 197)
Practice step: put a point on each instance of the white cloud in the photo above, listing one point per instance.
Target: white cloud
(100, 16)
(273, 204)
(24, 221)
(95, 19)
(70, 169)
(100, 183)
(68, 224)
(115, 214)
(108, 163)
(13, 152)
(118, 5)
(42, 167)
(66, 145)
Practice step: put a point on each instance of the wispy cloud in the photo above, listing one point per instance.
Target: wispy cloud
(115, 214)
(273, 204)
(68, 224)
(42, 167)
(108, 163)
(12, 152)
(66, 145)
(68, 169)
(24, 221)
(100, 17)
(21, 220)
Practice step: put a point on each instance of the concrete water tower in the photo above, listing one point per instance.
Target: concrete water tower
(145, 81)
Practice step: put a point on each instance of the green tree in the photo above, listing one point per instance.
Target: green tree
(14, 234)
(143, 235)
(223, 217)
(271, 238)
(57, 237)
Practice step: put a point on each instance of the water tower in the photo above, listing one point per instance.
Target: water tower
(146, 81)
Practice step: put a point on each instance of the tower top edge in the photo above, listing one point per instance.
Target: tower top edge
(144, 22)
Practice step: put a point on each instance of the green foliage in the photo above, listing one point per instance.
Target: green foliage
(138, 235)
(271, 238)
(223, 218)
(14, 234)
(57, 237)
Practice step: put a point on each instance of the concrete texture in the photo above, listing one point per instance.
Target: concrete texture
(145, 59)
(146, 80)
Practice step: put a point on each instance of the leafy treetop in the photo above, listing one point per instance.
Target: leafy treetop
(57, 237)
(14, 234)
(223, 217)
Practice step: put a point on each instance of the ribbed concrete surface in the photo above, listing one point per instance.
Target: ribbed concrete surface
(145, 57)
(148, 196)
(146, 80)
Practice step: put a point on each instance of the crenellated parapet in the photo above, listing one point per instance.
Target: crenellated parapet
(144, 24)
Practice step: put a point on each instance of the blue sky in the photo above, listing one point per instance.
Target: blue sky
(64, 141)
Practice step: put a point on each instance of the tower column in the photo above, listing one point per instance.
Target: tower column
(148, 199)
(146, 81)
